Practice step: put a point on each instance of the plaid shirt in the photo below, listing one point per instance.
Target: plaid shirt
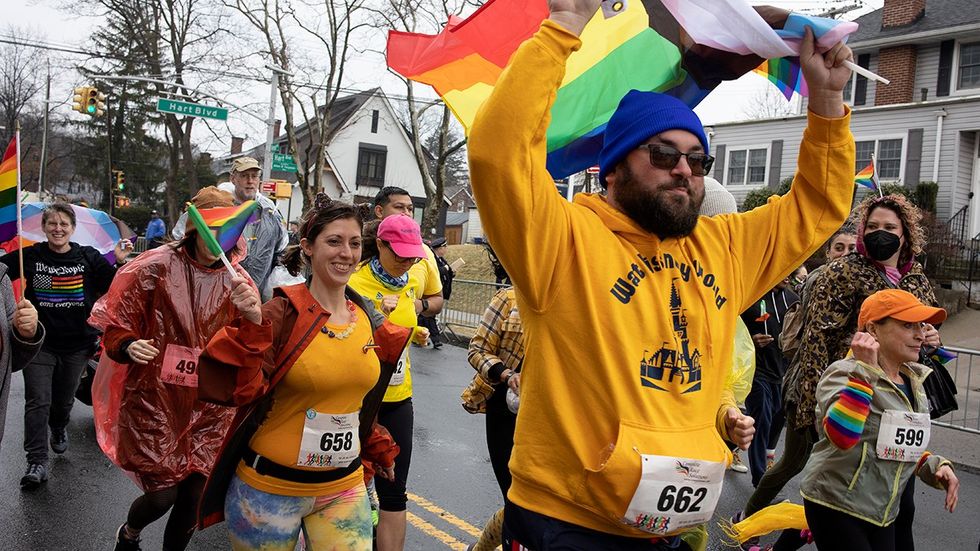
(499, 337)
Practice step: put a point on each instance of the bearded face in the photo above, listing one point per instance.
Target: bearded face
(668, 208)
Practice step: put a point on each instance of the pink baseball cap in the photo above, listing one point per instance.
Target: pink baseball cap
(403, 234)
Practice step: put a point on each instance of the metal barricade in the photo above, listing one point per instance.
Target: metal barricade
(967, 416)
(462, 313)
(140, 245)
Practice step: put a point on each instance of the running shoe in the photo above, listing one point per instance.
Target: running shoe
(751, 544)
(59, 440)
(125, 544)
(737, 464)
(36, 474)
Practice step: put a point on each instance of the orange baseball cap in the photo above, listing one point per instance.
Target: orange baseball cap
(898, 304)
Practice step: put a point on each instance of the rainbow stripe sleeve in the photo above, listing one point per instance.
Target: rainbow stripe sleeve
(845, 419)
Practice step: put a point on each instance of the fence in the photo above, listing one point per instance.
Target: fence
(463, 311)
(967, 417)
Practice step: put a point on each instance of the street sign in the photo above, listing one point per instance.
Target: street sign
(283, 162)
(269, 188)
(284, 190)
(192, 109)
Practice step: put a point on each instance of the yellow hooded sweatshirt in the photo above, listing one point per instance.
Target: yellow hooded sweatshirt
(629, 337)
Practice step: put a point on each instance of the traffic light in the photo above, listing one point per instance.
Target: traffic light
(120, 180)
(94, 102)
(81, 93)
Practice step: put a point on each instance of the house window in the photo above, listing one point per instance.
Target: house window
(849, 90)
(371, 160)
(747, 166)
(888, 157)
(969, 66)
(374, 121)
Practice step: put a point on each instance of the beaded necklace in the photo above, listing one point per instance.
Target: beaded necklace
(350, 326)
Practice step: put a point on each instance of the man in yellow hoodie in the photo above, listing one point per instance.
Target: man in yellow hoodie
(630, 299)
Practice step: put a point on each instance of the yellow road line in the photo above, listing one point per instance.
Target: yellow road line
(434, 532)
(446, 515)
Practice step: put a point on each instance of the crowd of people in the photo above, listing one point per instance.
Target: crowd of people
(286, 411)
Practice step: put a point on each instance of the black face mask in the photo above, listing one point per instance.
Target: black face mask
(881, 244)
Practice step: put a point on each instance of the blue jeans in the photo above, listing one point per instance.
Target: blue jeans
(50, 382)
(762, 404)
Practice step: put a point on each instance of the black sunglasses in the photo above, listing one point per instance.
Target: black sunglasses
(666, 157)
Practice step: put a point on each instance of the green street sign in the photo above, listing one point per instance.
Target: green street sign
(283, 163)
(192, 109)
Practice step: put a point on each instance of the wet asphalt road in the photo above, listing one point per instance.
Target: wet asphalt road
(451, 486)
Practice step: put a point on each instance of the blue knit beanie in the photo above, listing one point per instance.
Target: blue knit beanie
(639, 116)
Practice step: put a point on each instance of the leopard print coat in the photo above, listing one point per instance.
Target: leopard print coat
(831, 312)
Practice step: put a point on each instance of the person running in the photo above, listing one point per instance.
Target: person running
(390, 248)
(309, 369)
(160, 311)
(874, 430)
(63, 280)
(496, 352)
(889, 239)
(21, 338)
(629, 300)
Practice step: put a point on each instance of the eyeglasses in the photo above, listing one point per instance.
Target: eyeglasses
(666, 157)
(412, 259)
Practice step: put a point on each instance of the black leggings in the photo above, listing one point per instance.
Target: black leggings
(833, 531)
(183, 497)
(399, 419)
(500, 436)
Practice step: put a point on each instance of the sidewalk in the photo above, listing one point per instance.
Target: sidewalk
(961, 447)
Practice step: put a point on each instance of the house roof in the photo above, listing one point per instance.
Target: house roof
(451, 193)
(939, 15)
(341, 112)
(457, 218)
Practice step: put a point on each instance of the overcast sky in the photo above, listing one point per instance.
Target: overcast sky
(726, 103)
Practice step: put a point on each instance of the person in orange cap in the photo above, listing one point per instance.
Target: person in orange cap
(874, 425)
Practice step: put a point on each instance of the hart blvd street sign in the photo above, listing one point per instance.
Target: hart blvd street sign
(283, 162)
(192, 109)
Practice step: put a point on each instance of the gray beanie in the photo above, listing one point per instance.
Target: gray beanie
(717, 199)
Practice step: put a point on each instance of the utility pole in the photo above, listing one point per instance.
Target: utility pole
(267, 161)
(108, 134)
(44, 135)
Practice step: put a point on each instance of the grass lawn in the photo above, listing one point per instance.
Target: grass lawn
(477, 267)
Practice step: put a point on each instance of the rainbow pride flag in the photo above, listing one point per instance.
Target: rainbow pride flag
(683, 48)
(222, 226)
(8, 193)
(943, 356)
(785, 74)
(867, 177)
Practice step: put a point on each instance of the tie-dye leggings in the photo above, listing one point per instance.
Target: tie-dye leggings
(261, 521)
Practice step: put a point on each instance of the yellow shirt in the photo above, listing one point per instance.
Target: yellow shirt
(427, 273)
(331, 376)
(629, 337)
(364, 282)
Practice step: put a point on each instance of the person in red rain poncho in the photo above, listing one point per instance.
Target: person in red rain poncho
(160, 311)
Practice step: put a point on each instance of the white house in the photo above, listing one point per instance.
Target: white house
(368, 149)
(924, 126)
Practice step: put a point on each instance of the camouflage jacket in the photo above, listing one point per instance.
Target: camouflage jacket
(831, 312)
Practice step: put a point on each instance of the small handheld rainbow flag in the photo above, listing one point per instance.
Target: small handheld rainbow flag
(868, 177)
(221, 227)
(943, 356)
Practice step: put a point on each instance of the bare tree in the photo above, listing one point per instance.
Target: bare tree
(168, 37)
(309, 93)
(769, 103)
(425, 16)
(21, 80)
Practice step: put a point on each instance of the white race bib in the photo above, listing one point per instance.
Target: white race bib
(902, 435)
(398, 377)
(674, 493)
(329, 439)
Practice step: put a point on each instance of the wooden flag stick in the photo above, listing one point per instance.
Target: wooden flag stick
(20, 217)
(865, 73)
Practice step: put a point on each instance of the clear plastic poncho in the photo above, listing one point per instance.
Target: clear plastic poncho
(157, 431)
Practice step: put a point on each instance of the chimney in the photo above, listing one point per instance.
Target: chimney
(898, 13)
(276, 128)
(236, 145)
(897, 64)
